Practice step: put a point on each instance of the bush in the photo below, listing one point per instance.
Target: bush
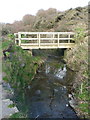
(11, 36)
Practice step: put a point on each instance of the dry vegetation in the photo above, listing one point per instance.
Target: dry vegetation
(49, 20)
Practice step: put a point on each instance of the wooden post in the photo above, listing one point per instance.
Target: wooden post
(53, 37)
(39, 39)
(58, 39)
(15, 40)
(15, 37)
(19, 38)
(69, 39)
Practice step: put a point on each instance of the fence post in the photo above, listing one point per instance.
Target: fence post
(39, 39)
(58, 39)
(69, 39)
(53, 37)
(19, 38)
(15, 37)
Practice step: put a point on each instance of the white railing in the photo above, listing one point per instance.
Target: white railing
(44, 39)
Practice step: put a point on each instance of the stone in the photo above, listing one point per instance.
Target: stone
(55, 90)
(29, 87)
(38, 92)
(67, 105)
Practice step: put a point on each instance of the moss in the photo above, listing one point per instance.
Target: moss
(11, 105)
(20, 68)
(18, 115)
(6, 44)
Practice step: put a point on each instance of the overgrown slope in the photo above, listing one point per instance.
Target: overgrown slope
(50, 20)
(20, 67)
(77, 60)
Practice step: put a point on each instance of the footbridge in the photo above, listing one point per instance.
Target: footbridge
(44, 40)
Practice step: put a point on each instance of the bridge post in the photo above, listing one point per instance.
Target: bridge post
(53, 37)
(15, 37)
(19, 38)
(69, 39)
(58, 39)
(39, 39)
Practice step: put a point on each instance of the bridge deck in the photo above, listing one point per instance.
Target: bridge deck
(44, 40)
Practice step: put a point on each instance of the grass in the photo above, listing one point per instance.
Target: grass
(20, 67)
(11, 105)
(77, 59)
(18, 115)
(6, 44)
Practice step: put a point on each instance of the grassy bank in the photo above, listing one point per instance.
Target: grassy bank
(20, 67)
(77, 60)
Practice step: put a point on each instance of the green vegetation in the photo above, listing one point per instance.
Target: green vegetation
(6, 44)
(79, 35)
(77, 59)
(20, 67)
(18, 115)
(11, 36)
(11, 105)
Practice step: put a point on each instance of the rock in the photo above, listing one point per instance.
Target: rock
(55, 90)
(23, 65)
(70, 95)
(38, 92)
(6, 111)
(64, 87)
(67, 105)
(29, 87)
(1, 82)
(72, 103)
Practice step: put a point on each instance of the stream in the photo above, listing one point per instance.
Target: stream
(47, 95)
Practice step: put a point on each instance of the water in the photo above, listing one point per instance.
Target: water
(47, 95)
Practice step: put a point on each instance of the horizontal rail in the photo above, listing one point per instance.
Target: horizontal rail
(46, 38)
(46, 33)
(62, 45)
(45, 44)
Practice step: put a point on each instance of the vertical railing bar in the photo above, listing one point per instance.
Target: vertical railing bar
(19, 38)
(15, 37)
(69, 39)
(53, 37)
(39, 39)
(58, 39)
